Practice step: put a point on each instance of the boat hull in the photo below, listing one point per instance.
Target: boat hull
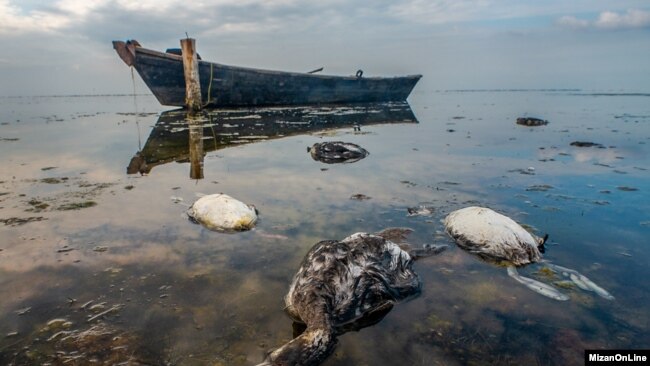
(231, 86)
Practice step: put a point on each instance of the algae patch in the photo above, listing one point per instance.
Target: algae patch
(53, 180)
(76, 205)
(16, 221)
(37, 206)
(546, 273)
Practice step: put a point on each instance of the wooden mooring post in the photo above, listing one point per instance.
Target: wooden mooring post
(191, 71)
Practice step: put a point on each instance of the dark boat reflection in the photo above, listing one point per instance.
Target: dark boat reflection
(179, 137)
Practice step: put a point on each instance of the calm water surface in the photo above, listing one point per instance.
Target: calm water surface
(97, 264)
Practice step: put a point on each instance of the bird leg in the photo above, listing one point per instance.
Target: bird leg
(310, 348)
(539, 287)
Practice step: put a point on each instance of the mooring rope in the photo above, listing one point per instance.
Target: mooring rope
(210, 85)
(214, 134)
(135, 105)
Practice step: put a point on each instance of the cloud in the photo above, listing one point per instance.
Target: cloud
(631, 19)
(609, 20)
(229, 17)
(159, 19)
(80, 15)
(439, 12)
(467, 11)
(14, 20)
(570, 21)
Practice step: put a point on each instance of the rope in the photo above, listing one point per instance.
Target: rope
(214, 134)
(210, 85)
(135, 105)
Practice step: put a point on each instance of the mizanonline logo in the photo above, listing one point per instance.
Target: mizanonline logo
(631, 357)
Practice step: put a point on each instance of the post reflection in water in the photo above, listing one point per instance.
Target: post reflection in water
(177, 137)
(195, 146)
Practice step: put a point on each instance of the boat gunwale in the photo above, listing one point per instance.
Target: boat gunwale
(174, 57)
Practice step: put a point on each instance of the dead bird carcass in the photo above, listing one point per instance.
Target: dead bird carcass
(497, 238)
(220, 212)
(531, 121)
(346, 285)
(334, 152)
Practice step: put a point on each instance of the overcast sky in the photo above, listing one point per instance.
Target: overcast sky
(64, 47)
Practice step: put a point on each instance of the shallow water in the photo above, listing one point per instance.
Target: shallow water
(76, 227)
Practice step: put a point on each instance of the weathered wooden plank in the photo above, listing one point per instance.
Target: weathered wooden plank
(191, 72)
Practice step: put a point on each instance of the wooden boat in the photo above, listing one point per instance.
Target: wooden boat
(229, 86)
(176, 137)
